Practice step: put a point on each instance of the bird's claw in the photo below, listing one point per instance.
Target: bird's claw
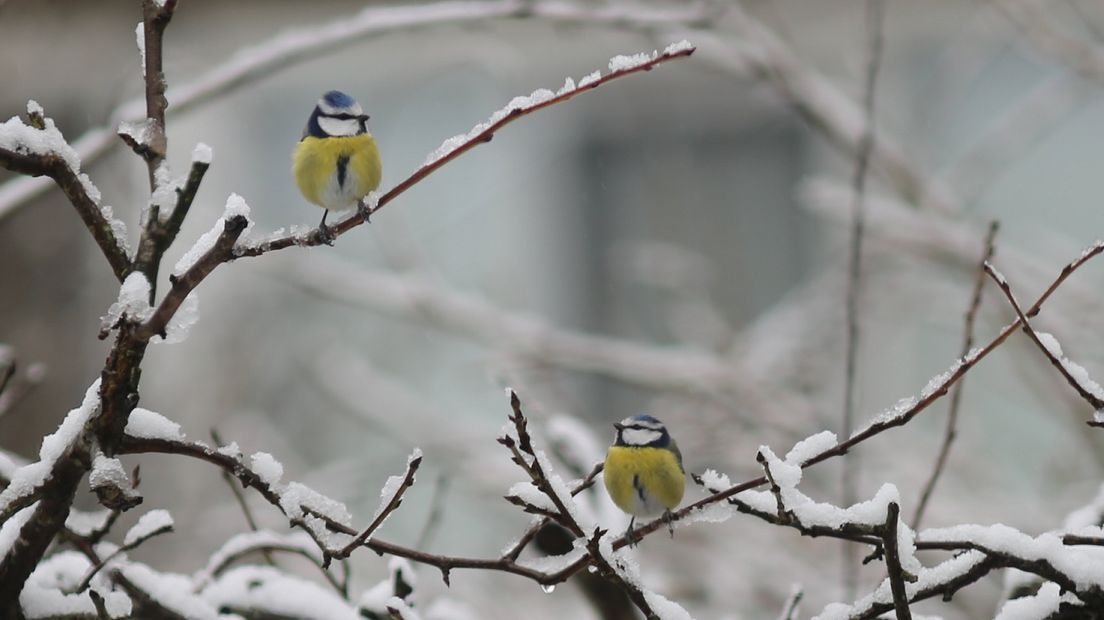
(364, 211)
(325, 234)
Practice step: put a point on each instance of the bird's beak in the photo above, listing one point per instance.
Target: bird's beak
(619, 426)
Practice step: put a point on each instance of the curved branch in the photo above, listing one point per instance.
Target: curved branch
(469, 142)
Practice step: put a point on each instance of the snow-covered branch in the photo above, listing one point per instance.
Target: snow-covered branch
(1073, 372)
(619, 66)
(40, 149)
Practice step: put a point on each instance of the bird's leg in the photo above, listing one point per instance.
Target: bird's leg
(364, 211)
(325, 235)
(630, 536)
(667, 518)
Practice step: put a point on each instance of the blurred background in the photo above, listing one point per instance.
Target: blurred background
(674, 242)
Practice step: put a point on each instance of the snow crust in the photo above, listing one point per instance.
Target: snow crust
(27, 478)
(146, 424)
(108, 471)
(133, 301)
(147, 524)
(1075, 370)
(267, 589)
(267, 467)
(235, 206)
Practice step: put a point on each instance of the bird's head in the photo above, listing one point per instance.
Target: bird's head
(642, 431)
(336, 114)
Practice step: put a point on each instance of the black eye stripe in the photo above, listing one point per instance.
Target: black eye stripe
(346, 117)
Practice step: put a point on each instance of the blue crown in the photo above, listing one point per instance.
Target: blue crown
(338, 99)
(646, 418)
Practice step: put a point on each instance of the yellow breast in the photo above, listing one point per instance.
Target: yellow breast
(316, 170)
(644, 481)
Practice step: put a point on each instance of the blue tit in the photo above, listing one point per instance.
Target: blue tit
(337, 162)
(643, 471)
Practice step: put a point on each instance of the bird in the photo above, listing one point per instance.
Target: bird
(643, 470)
(337, 163)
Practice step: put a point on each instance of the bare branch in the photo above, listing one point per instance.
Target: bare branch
(607, 570)
(950, 430)
(784, 517)
(893, 563)
(875, 26)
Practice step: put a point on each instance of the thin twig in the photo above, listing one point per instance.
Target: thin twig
(385, 511)
(13, 392)
(1094, 401)
(950, 430)
(607, 570)
(533, 467)
(789, 610)
(784, 516)
(893, 563)
(164, 529)
(514, 552)
(267, 548)
(875, 25)
(242, 503)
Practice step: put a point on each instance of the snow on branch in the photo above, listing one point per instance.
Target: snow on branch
(153, 523)
(1074, 373)
(26, 483)
(535, 464)
(40, 149)
(899, 415)
(217, 246)
(391, 496)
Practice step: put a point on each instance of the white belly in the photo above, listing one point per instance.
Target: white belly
(338, 197)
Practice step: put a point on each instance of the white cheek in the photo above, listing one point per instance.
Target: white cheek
(639, 437)
(338, 127)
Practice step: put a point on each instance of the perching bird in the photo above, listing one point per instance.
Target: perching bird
(337, 163)
(643, 470)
